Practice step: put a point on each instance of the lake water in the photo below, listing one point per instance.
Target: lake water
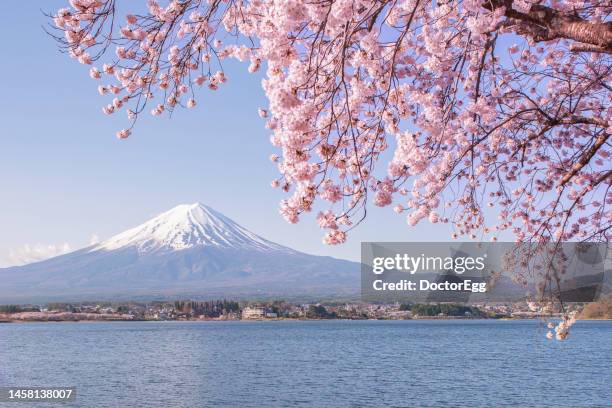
(312, 363)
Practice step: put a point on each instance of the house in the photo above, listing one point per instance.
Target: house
(257, 313)
(253, 312)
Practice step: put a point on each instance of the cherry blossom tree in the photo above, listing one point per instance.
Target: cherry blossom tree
(484, 103)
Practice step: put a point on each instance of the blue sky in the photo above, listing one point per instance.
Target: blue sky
(65, 177)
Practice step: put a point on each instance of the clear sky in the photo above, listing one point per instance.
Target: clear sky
(65, 177)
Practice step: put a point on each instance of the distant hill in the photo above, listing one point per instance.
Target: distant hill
(602, 309)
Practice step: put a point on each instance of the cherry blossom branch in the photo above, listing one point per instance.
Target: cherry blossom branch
(472, 124)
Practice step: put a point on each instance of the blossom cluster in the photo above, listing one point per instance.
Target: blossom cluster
(480, 111)
(560, 331)
(159, 57)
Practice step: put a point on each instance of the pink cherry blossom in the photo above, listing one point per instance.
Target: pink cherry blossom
(123, 134)
(94, 73)
(464, 121)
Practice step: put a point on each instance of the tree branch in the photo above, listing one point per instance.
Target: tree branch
(545, 24)
(585, 158)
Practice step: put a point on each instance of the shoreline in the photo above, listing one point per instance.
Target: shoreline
(26, 321)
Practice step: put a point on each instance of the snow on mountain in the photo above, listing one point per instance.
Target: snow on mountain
(190, 250)
(187, 226)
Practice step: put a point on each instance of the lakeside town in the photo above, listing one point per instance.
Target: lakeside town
(220, 310)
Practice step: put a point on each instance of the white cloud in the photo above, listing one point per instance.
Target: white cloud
(94, 239)
(34, 253)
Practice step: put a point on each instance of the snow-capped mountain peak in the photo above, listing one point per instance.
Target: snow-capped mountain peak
(189, 250)
(187, 226)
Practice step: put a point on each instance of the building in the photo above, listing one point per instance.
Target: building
(254, 313)
(258, 313)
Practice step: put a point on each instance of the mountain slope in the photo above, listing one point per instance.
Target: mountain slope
(187, 226)
(191, 250)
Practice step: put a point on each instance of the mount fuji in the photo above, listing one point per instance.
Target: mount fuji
(190, 250)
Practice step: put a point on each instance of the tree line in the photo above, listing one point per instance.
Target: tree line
(447, 309)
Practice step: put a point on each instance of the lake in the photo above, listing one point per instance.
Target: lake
(418, 363)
